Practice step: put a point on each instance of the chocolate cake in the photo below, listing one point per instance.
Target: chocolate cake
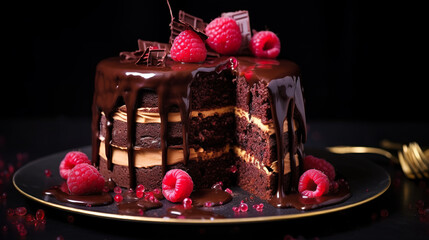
(238, 120)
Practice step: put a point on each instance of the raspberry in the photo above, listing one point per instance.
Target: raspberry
(313, 183)
(311, 162)
(84, 179)
(224, 35)
(265, 44)
(72, 159)
(188, 47)
(177, 185)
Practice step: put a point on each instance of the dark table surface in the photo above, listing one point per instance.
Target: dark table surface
(402, 212)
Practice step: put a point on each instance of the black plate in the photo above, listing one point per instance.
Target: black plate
(367, 181)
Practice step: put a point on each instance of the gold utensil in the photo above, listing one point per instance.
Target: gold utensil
(361, 149)
(416, 159)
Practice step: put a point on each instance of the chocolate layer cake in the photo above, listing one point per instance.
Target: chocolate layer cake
(203, 118)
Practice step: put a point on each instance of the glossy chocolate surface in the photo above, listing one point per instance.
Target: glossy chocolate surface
(117, 80)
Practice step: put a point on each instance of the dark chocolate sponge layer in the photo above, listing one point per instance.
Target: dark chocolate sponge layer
(204, 173)
(206, 132)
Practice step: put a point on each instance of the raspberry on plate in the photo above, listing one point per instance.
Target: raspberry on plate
(72, 159)
(188, 47)
(320, 164)
(265, 44)
(313, 183)
(224, 35)
(177, 185)
(84, 179)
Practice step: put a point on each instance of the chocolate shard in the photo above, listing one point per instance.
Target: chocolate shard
(152, 53)
(243, 21)
(196, 23)
(131, 56)
(153, 57)
(187, 21)
(143, 44)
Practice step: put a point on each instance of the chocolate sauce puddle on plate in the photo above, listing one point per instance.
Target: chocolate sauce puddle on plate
(179, 211)
(85, 200)
(214, 196)
(297, 201)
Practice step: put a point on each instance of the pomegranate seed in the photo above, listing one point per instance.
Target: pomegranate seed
(4, 228)
(140, 187)
(208, 204)
(48, 173)
(11, 168)
(10, 212)
(156, 191)
(233, 169)
(149, 195)
(20, 226)
(40, 214)
(21, 211)
(29, 218)
(228, 191)
(187, 203)
(23, 232)
(70, 219)
(384, 213)
(243, 207)
(260, 207)
(218, 185)
(118, 198)
(236, 209)
(139, 194)
(117, 190)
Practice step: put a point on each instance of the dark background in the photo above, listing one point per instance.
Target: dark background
(360, 60)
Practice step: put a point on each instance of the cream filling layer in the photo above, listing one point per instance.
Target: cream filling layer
(145, 115)
(153, 157)
(249, 158)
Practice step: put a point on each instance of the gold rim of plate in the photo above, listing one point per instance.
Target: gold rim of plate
(200, 221)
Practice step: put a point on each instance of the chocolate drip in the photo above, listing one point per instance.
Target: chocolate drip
(118, 82)
(282, 94)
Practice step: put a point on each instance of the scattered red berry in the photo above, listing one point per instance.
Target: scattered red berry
(21, 211)
(140, 188)
(320, 164)
(259, 207)
(243, 207)
(229, 191)
(117, 190)
(265, 44)
(40, 214)
(236, 209)
(177, 185)
(187, 203)
(118, 198)
(48, 173)
(72, 159)
(85, 179)
(29, 218)
(224, 35)
(218, 185)
(313, 183)
(188, 47)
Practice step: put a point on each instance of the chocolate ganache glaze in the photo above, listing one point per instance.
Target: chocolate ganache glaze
(118, 80)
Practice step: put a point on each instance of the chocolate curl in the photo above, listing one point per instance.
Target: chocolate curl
(243, 21)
